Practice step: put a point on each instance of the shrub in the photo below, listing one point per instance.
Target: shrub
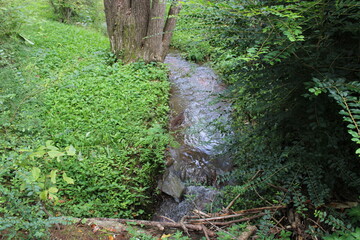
(10, 19)
(269, 53)
(26, 188)
(74, 11)
(191, 35)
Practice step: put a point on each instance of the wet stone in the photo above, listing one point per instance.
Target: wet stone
(172, 185)
(197, 197)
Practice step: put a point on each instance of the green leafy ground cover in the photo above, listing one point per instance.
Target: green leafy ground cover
(67, 108)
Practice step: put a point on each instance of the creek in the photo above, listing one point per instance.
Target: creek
(199, 123)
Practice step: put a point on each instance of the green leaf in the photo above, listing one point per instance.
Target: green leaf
(80, 156)
(43, 195)
(342, 112)
(53, 176)
(353, 133)
(67, 179)
(70, 150)
(38, 154)
(53, 190)
(54, 154)
(49, 145)
(53, 197)
(35, 172)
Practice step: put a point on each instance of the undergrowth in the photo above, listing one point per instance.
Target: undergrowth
(66, 91)
(291, 146)
(191, 36)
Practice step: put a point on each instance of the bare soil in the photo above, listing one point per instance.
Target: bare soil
(86, 232)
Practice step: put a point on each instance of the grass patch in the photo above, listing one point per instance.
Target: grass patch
(67, 88)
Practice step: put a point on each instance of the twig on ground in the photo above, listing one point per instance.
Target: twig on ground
(278, 222)
(238, 220)
(237, 214)
(205, 230)
(278, 187)
(317, 224)
(183, 225)
(238, 196)
(169, 219)
(200, 213)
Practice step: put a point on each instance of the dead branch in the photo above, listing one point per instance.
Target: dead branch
(254, 210)
(160, 227)
(205, 230)
(201, 221)
(238, 220)
(200, 213)
(248, 232)
(195, 221)
(278, 222)
(182, 222)
(237, 214)
(238, 196)
(166, 218)
(278, 187)
(232, 203)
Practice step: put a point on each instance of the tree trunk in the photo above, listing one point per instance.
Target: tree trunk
(140, 29)
(170, 26)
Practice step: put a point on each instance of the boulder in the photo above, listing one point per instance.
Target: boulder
(172, 185)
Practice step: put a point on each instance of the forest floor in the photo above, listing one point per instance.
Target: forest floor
(81, 231)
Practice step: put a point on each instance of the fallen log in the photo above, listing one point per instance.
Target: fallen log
(159, 225)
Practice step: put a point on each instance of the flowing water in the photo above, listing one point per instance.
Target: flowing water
(199, 124)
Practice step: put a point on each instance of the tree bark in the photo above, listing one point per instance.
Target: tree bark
(140, 29)
(170, 26)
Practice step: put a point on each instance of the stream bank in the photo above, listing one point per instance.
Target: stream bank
(199, 123)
